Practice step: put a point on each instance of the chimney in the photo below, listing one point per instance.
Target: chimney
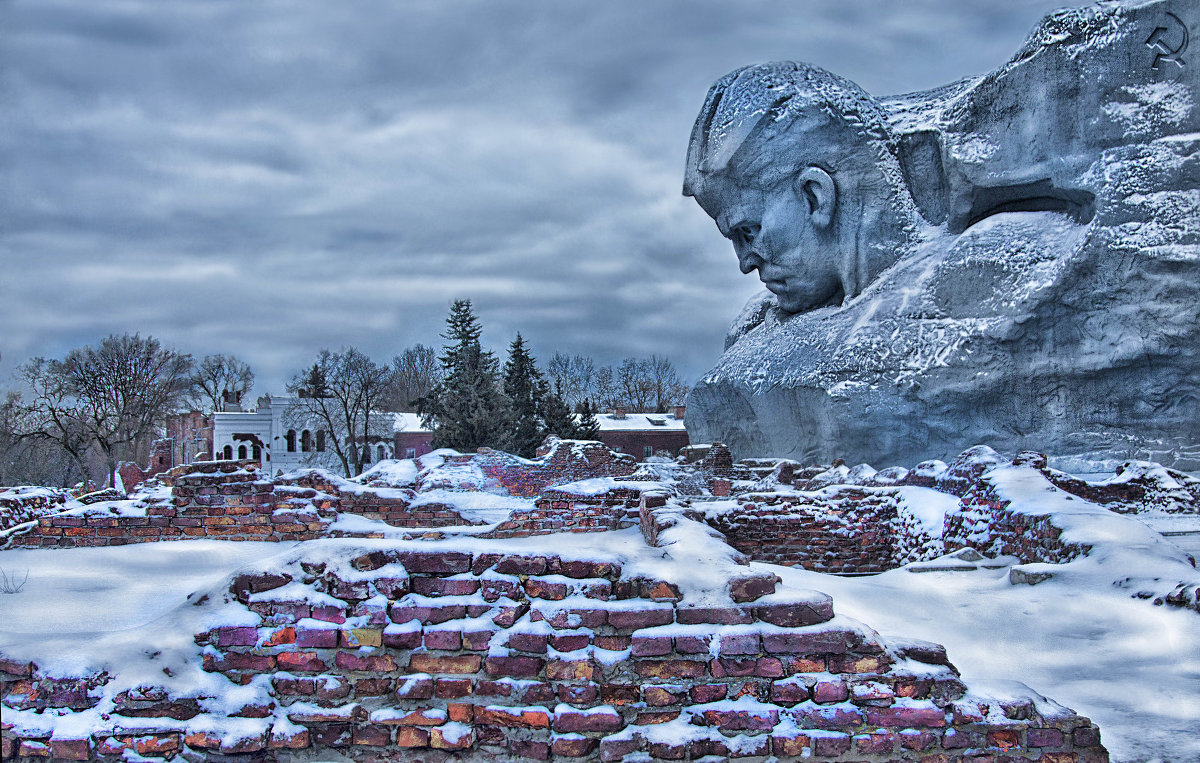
(680, 410)
(619, 412)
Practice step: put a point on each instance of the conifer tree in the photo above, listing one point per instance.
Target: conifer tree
(525, 389)
(557, 415)
(465, 411)
(587, 426)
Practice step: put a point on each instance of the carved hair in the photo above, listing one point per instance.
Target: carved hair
(783, 102)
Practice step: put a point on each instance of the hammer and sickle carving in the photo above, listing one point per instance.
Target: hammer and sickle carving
(1157, 41)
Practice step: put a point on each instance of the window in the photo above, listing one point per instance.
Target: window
(410, 452)
(291, 441)
(257, 453)
(320, 440)
(227, 453)
(380, 452)
(366, 454)
(241, 452)
(647, 451)
(306, 441)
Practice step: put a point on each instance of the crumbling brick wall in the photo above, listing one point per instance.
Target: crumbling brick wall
(560, 510)
(485, 656)
(843, 531)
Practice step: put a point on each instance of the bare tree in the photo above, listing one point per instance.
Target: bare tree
(340, 392)
(668, 389)
(415, 372)
(114, 396)
(571, 376)
(605, 389)
(218, 377)
(636, 383)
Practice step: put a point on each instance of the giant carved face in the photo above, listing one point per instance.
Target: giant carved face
(782, 232)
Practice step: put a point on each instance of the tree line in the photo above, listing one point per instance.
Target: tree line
(77, 417)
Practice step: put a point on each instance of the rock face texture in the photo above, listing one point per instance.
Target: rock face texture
(1045, 256)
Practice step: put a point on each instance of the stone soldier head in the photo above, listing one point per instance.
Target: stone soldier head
(799, 169)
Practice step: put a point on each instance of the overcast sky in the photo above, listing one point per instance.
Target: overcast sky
(271, 178)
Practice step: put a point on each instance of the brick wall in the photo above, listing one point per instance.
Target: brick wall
(25, 504)
(559, 510)
(229, 500)
(495, 656)
(844, 531)
(557, 462)
(986, 523)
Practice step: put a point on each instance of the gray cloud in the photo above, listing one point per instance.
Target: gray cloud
(271, 178)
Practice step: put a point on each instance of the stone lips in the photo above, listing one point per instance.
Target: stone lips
(1049, 306)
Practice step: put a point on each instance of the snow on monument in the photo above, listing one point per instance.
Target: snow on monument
(1011, 259)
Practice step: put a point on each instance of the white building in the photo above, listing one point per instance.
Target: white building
(281, 437)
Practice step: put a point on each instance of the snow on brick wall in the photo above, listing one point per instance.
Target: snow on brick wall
(502, 656)
(847, 530)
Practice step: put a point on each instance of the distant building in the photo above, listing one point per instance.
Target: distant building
(281, 437)
(641, 435)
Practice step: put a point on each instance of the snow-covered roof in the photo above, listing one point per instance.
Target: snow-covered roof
(640, 421)
(654, 422)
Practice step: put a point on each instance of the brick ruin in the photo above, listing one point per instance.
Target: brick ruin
(483, 653)
(451, 655)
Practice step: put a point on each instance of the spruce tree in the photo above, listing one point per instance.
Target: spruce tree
(587, 426)
(465, 410)
(524, 387)
(557, 415)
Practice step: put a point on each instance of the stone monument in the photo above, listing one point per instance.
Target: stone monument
(1011, 259)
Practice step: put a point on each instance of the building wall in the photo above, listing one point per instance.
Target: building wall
(634, 442)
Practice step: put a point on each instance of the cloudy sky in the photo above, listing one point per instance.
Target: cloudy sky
(269, 178)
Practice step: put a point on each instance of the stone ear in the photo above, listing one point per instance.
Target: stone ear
(816, 188)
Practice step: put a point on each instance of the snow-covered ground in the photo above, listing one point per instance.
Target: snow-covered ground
(1130, 666)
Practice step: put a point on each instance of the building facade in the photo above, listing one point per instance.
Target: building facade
(281, 436)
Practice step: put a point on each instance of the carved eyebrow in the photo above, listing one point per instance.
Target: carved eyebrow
(727, 228)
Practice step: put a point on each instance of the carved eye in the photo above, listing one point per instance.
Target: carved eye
(746, 234)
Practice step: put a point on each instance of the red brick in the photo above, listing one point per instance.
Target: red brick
(875, 743)
(906, 717)
(411, 736)
(316, 638)
(439, 740)
(599, 719)
(1044, 738)
(793, 745)
(462, 663)
(708, 693)
(573, 746)
(569, 642)
(300, 662)
(788, 692)
(835, 744)
(516, 667)
(671, 668)
(373, 663)
(71, 749)
(519, 719)
(640, 618)
(528, 642)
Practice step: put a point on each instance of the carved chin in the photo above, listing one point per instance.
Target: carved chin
(791, 302)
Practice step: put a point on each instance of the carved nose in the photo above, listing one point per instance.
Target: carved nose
(749, 260)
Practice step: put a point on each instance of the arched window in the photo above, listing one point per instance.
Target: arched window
(257, 453)
(291, 441)
(227, 453)
(306, 441)
(241, 452)
(320, 440)
(366, 454)
(380, 452)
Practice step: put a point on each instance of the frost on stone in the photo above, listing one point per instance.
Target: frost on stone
(1044, 297)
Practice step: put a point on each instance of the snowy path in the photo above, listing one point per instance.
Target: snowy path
(1130, 666)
